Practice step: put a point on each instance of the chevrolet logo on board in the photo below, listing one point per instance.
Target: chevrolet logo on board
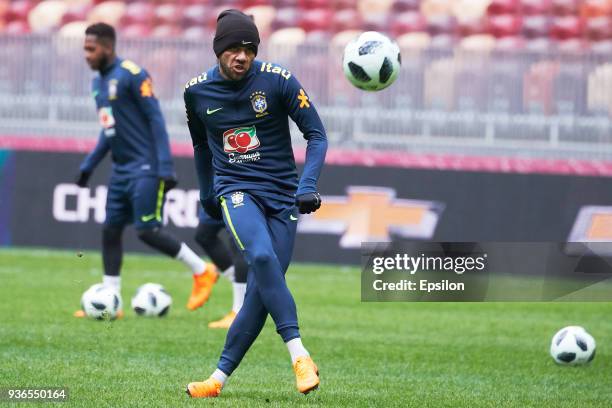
(372, 214)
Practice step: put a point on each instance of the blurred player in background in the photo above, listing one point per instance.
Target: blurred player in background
(237, 114)
(213, 237)
(133, 129)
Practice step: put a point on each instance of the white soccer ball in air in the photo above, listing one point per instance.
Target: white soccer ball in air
(151, 299)
(371, 61)
(101, 302)
(572, 345)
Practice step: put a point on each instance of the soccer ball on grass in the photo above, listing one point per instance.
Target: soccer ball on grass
(572, 345)
(101, 302)
(151, 299)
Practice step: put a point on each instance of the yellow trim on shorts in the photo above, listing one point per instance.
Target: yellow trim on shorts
(229, 222)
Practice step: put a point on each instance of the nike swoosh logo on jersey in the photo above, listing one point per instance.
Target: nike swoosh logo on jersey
(293, 217)
(210, 112)
(246, 42)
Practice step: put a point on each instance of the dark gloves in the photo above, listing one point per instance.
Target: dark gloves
(212, 207)
(82, 178)
(308, 202)
(169, 183)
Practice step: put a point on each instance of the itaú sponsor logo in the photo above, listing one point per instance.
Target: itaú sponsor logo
(372, 214)
(80, 205)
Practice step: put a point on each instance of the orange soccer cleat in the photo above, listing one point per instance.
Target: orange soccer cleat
(210, 388)
(225, 322)
(81, 313)
(306, 374)
(202, 286)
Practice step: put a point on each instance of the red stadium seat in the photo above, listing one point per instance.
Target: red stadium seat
(536, 26)
(466, 28)
(602, 48)
(598, 28)
(200, 2)
(565, 7)
(77, 12)
(346, 19)
(136, 31)
(442, 41)
(317, 38)
(538, 45)
(253, 3)
(407, 22)
(168, 14)
(567, 27)
(19, 10)
(400, 6)
(572, 46)
(316, 19)
(595, 8)
(510, 43)
(196, 15)
(344, 4)
(140, 12)
(441, 24)
(197, 33)
(313, 4)
(377, 22)
(503, 7)
(535, 7)
(166, 31)
(285, 17)
(504, 25)
(17, 27)
(109, 12)
(286, 3)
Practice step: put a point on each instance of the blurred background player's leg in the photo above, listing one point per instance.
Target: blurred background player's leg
(147, 196)
(213, 237)
(118, 214)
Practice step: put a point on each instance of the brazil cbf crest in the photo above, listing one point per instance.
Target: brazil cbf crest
(238, 198)
(259, 103)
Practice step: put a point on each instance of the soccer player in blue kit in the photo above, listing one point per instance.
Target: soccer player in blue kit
(237, 114)
(134, 131)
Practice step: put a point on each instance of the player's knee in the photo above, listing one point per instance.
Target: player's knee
(262, 258)
(111, 234)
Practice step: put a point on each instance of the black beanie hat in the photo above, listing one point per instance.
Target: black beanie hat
(235, 28)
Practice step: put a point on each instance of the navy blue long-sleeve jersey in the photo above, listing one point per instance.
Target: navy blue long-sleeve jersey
(240, 133)
(133, 127)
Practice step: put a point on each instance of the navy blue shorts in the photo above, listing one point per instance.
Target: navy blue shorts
(138, 201)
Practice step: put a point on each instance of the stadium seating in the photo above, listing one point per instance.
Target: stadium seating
(533, 24)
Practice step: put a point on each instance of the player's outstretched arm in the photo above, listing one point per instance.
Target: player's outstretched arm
(142, 88)
(303, 113)
(92, 160)
(203, 159)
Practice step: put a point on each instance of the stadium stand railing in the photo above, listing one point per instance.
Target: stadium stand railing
(466, 99)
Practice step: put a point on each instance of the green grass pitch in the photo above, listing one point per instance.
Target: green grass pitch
(369, 354)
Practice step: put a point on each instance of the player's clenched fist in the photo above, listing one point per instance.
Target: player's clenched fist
(307, 203)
